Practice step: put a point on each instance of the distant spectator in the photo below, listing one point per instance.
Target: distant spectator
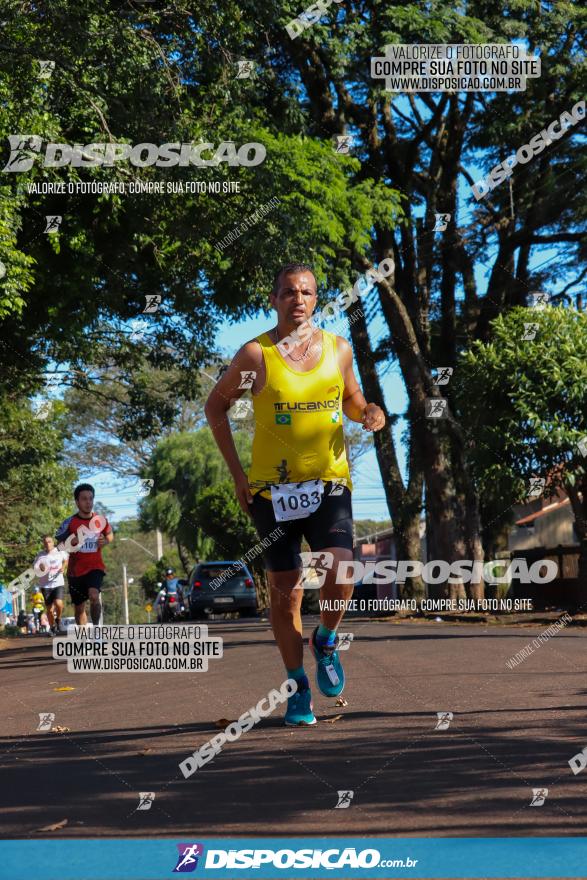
(38, 601)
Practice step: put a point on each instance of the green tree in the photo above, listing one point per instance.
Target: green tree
(182, 466)
(154, 574)
(102, 413)
(524, 405)
(35, 483)
(229, 527)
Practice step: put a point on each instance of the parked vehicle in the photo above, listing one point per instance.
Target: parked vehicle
(222, 586)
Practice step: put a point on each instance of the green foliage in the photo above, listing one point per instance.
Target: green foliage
(155, 573)
(523, 403)
(182, 466)
(35, 484)
(230, 528)
(102, 412)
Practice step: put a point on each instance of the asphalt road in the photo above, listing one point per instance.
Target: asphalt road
(512, 730)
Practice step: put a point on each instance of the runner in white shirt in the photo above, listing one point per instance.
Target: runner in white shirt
(49, 566)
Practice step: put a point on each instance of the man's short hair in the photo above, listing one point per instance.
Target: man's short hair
(47, 535)
(83, 487)
(290, 269)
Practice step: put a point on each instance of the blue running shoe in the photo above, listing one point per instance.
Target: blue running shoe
(329, 671)
(299, 709)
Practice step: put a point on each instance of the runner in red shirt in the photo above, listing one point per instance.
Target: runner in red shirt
(85, 571)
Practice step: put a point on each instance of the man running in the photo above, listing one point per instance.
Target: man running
(299, 478)
(85, 571)
(50, 564)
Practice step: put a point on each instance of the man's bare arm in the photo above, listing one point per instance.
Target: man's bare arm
(354, 405)
(222, 397)
(104, 539)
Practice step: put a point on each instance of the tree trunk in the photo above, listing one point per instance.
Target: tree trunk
(455, 527)
(183, 557)
(408, 547)
(405, 505)
(446, 538)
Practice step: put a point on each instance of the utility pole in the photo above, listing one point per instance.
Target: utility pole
(125, 593)
(159, 544)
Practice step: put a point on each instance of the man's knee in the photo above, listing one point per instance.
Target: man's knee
(345, 570)
(94, 596)
(284, 597)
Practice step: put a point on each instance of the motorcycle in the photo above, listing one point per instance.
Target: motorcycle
(172, 608)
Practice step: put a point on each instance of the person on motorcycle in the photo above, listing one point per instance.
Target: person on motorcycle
(171, 586)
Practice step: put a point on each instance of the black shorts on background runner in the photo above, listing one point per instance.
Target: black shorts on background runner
(331, 525)
(51, 595)
(79, 586)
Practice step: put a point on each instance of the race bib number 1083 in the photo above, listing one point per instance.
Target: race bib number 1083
(296, 500)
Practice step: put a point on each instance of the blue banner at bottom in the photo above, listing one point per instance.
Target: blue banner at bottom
(293, 857)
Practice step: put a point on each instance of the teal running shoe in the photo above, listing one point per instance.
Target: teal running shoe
(299, 709)
(329, 671)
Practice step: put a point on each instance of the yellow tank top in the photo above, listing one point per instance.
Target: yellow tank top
(298, 421)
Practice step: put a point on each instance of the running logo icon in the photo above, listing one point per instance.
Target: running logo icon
(344, 641)
(46, 69)
(245, 69)
(539, 795)
(435, 408)
(187, 860)
(146, 799)
(52, 223)
(441, 222)
(536, 487)
(344, 142)
(538, 300)
(152, 303)
(444, 719)
(241, 409)
(22, 150)
(442, 376)
(247, 378)
(46, 719)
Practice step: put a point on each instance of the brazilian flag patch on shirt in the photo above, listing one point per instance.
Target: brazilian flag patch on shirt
(283, 419)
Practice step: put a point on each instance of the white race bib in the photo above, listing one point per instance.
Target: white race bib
(90, 544)
(296, 500)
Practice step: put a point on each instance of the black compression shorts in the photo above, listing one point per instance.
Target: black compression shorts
(331, 525)
(79, 586)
